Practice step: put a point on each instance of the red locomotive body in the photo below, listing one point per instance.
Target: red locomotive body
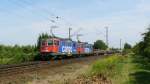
(50, 46)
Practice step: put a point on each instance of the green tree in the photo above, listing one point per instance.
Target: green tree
(146, 44)
(99, 44)
(127, 46)
(143, 47)
(42, 36)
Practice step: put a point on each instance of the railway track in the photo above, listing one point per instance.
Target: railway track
(8, 70)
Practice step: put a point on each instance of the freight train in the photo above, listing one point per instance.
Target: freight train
(60, 48)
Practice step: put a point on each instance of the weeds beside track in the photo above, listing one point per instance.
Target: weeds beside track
(7, 70)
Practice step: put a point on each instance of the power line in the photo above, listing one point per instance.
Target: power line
(16, 4)
(76, 32)
(99, 32)
(51, 30)
(27, 5)
(49, 13)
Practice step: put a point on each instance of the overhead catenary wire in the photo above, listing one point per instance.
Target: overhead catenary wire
(49, 15)
(28, 5)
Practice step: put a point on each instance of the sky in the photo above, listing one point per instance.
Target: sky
(21, 21)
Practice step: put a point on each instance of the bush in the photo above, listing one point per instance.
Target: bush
(107, 67)
(143, 47)
(16, 54)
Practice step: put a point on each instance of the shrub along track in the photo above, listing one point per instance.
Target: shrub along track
(10, 70)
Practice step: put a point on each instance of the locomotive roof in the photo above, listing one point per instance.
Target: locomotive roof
(67, 39)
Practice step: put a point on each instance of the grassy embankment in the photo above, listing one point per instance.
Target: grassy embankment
(115, 69)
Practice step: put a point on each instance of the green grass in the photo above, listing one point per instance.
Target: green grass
(140, 73)
(122, 69)
(107, 66)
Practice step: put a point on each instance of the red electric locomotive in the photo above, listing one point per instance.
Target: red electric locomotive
(50, 45)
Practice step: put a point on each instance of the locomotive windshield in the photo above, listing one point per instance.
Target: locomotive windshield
(47, 42)
(44, 43)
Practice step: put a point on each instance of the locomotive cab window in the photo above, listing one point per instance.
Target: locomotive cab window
(44, 43)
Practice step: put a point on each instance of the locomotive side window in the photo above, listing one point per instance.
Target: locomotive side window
(86, 46)
(50, 42)
(74, 44)
(69, 43)
(82, 45)
(56, 42)
(63, 43)
(78, 45)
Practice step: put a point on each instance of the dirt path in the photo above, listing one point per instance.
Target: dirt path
(50, 75)
(61, 74)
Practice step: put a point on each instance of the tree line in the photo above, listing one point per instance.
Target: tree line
(18, 54)
(142, 48)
